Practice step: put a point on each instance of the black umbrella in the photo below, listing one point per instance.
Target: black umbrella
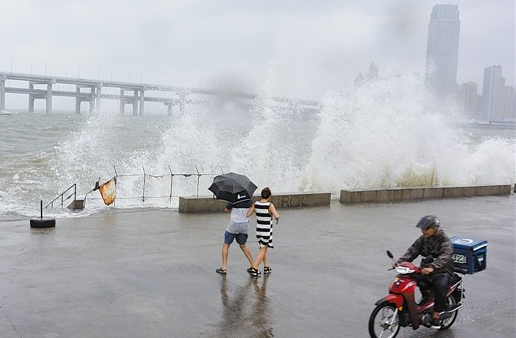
(232, 187)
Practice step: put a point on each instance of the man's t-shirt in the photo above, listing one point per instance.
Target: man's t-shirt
(239, 220)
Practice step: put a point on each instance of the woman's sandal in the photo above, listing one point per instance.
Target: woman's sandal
(267, 270)
(222, 271)
(253, 272)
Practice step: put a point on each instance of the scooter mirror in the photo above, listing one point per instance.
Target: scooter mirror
(390, 254)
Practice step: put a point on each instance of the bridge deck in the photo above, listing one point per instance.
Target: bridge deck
(180, 94)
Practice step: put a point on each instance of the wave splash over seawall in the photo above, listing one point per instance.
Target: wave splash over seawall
(390, 134)
(386, 134)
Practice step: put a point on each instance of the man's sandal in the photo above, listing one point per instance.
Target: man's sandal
(222, 271)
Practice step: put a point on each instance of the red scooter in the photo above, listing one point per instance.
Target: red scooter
(400, 308)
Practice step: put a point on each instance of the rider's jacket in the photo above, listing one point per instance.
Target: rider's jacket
(438, 246)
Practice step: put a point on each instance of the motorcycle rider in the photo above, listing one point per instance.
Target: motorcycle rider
(433, 242)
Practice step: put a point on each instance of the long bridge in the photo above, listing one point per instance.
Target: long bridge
(135, 94)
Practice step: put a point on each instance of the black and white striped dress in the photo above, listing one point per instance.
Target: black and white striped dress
(264, 226)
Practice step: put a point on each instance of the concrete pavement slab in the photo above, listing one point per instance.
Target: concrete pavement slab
(151, 273)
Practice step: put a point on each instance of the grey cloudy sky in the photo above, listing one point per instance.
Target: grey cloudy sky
(294, 48)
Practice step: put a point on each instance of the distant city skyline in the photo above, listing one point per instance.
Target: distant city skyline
(291, 48)
(496, 103)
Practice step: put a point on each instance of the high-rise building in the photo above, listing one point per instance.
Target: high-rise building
(492, 93)
(442, 50)
(469, 98)
(372, 75)
(359, 81)
(507, 106)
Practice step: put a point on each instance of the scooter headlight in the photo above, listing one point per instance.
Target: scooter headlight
(404, 270)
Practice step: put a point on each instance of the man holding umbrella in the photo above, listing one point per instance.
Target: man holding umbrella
(237, 190)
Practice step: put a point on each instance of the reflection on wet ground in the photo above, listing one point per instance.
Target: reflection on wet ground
(245, 310)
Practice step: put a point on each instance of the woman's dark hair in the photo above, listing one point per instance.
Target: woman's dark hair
(266, 192)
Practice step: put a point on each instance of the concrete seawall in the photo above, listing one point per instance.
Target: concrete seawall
(206, 204)
(423, 193)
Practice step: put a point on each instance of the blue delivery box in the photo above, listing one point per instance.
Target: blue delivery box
(469, 254)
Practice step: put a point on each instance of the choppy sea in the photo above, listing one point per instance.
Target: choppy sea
(384, 136)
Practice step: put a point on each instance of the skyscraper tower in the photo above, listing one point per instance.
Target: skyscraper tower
(443, 49)
(470, 98)
(372, 75)
(492, 93)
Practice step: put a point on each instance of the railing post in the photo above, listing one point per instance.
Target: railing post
(198, 179)
(143, 197)
(171, 183)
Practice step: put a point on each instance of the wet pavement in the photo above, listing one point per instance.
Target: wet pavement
(151, 273)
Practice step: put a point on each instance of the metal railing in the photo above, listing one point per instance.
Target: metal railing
(63, 198)
(147, 177)
(145, 181)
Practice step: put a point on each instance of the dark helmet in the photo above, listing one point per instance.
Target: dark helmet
(428, 222)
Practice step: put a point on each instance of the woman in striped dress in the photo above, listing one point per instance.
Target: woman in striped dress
(265, 211)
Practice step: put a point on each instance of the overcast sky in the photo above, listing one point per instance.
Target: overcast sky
(294, 48)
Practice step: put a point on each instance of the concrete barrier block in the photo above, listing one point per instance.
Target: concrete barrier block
(469, 191)
(405, 194)
(506, 189)
(417, 194)
(346, 196)
(397, 195)
(367, 196)
(414, 194)
(200, 204)
(452, 192)
(495, 190)
(357, 196)
(430, 193)
(484, 191)
(383, 196)
(488, 191)
(206, 204)
(299, 200)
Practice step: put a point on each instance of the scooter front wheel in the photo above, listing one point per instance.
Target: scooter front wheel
(384, 321)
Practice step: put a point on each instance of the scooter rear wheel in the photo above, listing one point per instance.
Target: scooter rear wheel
(384, 321)
(449, 319)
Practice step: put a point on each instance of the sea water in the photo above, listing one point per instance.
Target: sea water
(386, 134)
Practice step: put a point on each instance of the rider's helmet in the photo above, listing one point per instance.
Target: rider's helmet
(428, 221)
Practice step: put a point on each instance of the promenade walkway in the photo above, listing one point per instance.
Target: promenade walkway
(151, 273)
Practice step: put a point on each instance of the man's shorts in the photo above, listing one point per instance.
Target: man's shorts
(240, 238)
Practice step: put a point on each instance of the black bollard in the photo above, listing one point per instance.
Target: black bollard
(42, 222)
